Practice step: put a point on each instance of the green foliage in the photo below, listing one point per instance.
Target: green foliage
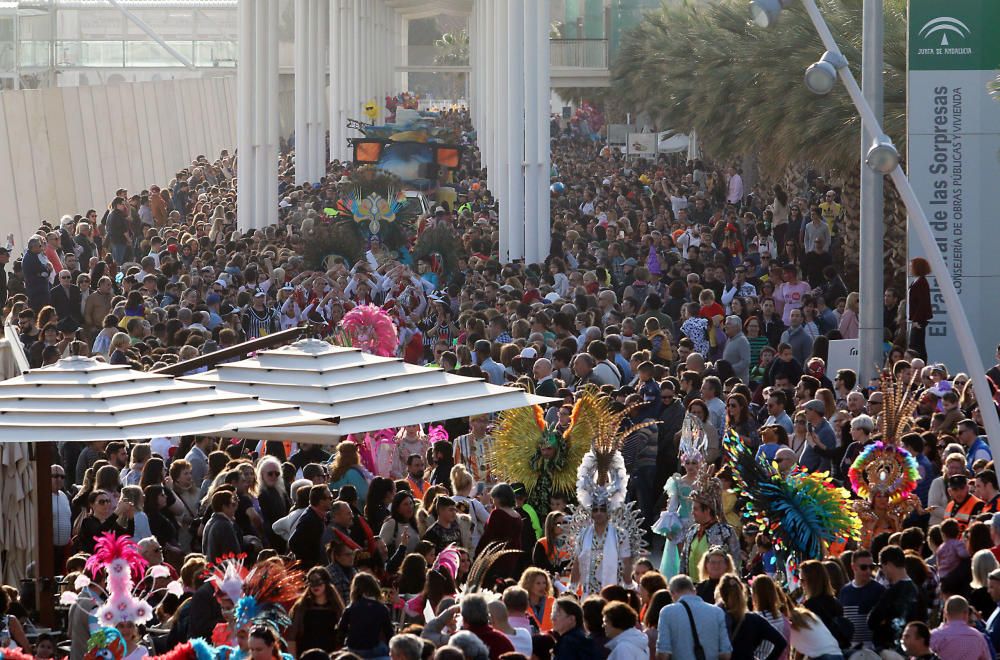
(707, 67)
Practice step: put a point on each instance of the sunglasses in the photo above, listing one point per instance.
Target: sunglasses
(58, 476)
(104, 501)
(271, 474)
(864, 567)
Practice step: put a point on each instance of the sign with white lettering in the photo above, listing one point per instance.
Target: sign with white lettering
(953, 160)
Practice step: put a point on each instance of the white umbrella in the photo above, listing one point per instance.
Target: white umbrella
(363, 392)
(81, 399)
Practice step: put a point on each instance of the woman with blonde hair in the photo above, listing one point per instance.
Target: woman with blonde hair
(713, 565)
(848, 325)
(817, 593)
(747, 630)
(462, 482)
(272, 499)
(550, 552)
(538, 584)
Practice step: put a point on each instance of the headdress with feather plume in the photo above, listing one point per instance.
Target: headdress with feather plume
(693, 441)
(884, 469)
(119, 557)
(261, 595)
(804, 511)
(525, 450)
(369, 328)
(899, 402)
(601, 477)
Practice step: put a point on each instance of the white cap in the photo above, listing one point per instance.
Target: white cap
(528, 352)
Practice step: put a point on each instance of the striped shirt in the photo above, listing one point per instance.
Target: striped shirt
(857, 603)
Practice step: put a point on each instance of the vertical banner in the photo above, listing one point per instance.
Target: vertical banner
(953, 161)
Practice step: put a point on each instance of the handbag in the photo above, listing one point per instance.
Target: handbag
(699, 651)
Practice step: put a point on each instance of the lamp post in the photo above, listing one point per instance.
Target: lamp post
(883, 157)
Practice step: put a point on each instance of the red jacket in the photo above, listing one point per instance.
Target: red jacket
(495, 641)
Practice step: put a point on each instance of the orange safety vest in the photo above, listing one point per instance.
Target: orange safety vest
(417, 488)
(970, 507)
(545, 625)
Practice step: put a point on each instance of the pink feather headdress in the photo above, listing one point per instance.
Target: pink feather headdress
(371, 329)
(119, 556)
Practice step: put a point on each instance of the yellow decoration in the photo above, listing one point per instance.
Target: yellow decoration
(371, 110)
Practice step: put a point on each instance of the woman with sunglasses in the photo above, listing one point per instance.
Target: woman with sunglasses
(273, 501)
(103, 518)
(314, 613)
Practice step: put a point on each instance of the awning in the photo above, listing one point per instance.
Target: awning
(82, 399)
(362, 392)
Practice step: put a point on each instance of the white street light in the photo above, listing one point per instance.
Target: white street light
(883, 157)
(765, 12)
(821, 77)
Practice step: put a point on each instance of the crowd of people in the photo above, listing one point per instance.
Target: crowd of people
(684, 296)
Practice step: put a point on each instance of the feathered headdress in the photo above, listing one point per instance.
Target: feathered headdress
(369, 328)
(227, 575)
(269, 591)
(482, 565)
(693, 441)
(517, 441)
(119, 557)
(448, 559)
(884, 469)
(803, 511)
(707, 489)
(196, 649)
(899, 402)
(601, 477)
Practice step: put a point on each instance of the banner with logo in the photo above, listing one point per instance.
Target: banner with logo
(641, 144)
(953, 161)
(843, 354)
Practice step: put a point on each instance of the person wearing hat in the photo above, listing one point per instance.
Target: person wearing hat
(822, 439)
(259, 320)
(962, 505)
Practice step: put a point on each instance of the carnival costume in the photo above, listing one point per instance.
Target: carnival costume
(368, 328)
(676, 518)
(602, 481)
(262, 596)
(803, 512)
(699, 539)
(885, 469)
(525, 450)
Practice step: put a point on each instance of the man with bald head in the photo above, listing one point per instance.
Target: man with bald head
(542, 372)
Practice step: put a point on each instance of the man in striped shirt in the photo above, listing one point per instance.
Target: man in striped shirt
(259, 320)
(859, 596)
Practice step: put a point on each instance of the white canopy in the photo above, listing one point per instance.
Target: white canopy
(363, 392)
(83, 399)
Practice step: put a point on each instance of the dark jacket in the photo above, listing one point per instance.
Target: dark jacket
(68, 304)
(36, 277)
(306, 542)
(220, 538)
(575, 645)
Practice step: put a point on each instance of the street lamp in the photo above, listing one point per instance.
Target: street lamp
(821, 77)
(765, 12)
(883, 157)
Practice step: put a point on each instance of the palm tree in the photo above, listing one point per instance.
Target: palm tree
(452, 49)
(706, 67)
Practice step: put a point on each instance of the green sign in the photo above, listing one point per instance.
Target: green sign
(957, 35)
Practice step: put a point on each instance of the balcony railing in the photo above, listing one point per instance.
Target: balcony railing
(115, 53)
(582, 53)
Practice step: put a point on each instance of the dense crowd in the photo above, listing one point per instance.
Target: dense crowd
(686, 296)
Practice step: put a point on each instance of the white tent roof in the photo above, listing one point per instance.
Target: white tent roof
(364, 392)
(82, 399)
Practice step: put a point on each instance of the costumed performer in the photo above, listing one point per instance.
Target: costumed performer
(606, 532)
(707, 529)
(884, 476)
(474, 449)
(526, 451)
(676, 518)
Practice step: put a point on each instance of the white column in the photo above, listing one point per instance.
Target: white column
(317, 85)
(499, 171)
(336, 82)
(260, 113)
(541, 63)
(269, 177)
(515, 127)
(404, 53)
(531, 133)
(244, 115)
(302, 82)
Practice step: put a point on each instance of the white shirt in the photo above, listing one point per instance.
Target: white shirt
(62, 519)
(521, 639)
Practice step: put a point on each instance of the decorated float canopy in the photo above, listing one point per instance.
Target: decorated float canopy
(82, 399)
(362, 392)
